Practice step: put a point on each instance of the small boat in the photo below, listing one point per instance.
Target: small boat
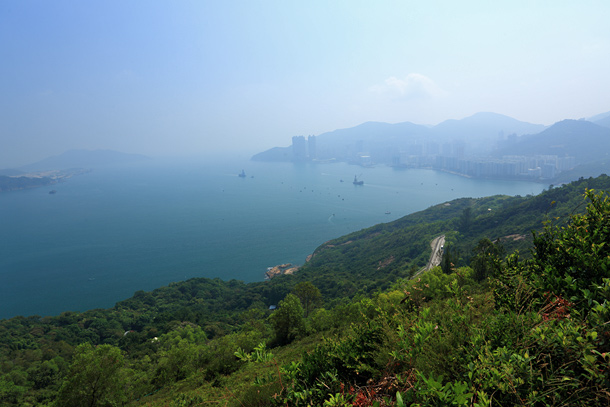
(242, 174)
(387, 212)
(52, 192)
(357, 182)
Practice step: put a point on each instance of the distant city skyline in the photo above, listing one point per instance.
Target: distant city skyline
(190, 78)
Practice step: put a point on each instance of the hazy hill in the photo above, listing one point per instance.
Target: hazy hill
(374, 138)
(484, 127)
(83, 158)
(483, 130)
(582, 139)
(605, 122)
(274, 154)
(598, 117)
(381, 140)
(377, 132)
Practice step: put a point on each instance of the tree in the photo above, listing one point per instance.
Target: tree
(573, 261)
(487, 258)
(10, 393)
(181, 354)
(451, 258)
(465, 220)
(287, 320)
(95, 378)
(46, 373)
(309, 295)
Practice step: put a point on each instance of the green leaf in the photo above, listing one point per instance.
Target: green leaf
(399, 402)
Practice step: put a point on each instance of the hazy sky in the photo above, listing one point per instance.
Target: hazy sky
(176, 77)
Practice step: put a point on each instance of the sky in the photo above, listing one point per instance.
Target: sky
(203, 77)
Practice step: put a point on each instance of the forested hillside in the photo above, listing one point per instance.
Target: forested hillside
(488, 327)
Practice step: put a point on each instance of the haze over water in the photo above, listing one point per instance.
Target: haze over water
(111, 232)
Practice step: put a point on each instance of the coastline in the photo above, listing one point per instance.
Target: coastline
(37, 179)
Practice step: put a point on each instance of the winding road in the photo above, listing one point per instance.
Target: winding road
(437, 244)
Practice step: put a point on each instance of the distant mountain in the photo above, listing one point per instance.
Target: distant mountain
(383, 140)
(83, 159)
(586, 141)
(376, 139)
(485, 123)
(484, 128)
(477, 137)
(377, 132)
(274, 154)
(598, 117)
(480, 125)
(605, 122)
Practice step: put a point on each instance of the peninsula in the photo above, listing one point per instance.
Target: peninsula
(37, 179)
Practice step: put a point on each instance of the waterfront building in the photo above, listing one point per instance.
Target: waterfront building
(299, 148)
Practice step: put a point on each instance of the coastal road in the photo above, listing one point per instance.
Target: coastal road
(437, 244)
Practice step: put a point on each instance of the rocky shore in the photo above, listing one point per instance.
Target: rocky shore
(286, 268)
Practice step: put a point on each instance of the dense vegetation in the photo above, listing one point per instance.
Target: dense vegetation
(351, 327)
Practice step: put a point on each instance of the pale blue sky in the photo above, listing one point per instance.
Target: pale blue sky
(190, 77)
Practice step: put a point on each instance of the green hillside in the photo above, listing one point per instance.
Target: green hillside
(351, 327)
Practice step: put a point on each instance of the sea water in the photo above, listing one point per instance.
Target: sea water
(116, 230)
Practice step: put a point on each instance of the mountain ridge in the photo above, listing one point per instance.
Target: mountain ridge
(482, 128)
(484, 145)
(567, 137)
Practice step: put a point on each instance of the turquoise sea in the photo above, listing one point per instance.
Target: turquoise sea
(116, 230)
